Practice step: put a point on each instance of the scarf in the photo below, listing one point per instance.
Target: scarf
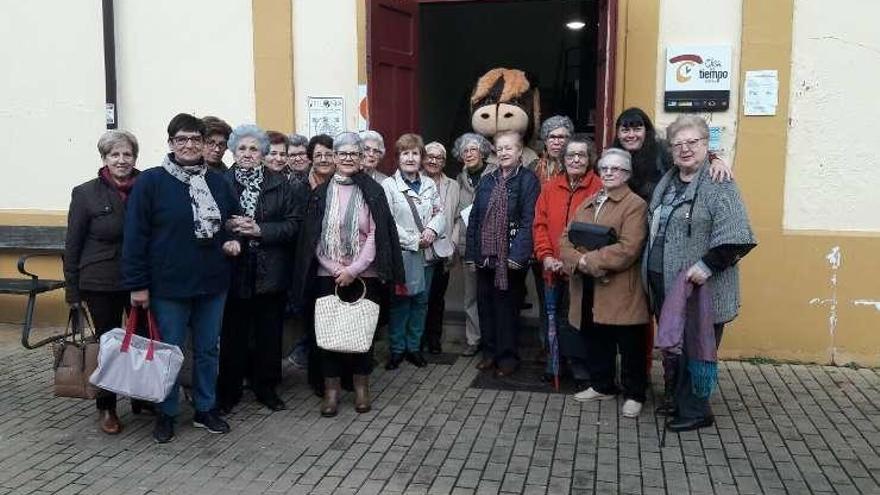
(250, 179)
(122, 188)
(494, 234)
(340, 235)
(206, 213)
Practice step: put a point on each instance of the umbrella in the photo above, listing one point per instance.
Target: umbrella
(550, 295)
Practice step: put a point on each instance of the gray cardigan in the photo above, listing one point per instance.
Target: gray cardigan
(717, 216)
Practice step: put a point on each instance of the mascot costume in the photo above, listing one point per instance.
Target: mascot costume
(507, 100)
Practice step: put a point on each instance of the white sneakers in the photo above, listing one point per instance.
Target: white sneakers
(631, 409)
(592, 394)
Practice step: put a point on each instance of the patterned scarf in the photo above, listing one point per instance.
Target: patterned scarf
(206, 213)
(121, 188)
(251, 179)
(494, 234)
(340, 235)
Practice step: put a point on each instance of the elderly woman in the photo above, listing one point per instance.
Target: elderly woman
(698, 228)
(608, 303)
(435, 160)
(499, 246)
(217, 133)
(271, 211)
(348, 235)
(555, 131)
(320, 153)
(471, 150)
(174, 261)
(298, 158)
(276, 158)
(559, 200)
(418, 213)
(94, 245)
(374, 151)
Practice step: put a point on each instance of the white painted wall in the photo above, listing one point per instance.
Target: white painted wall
(689, 22)
(325, 56)
(833, 164)
(52, 109)
(172, 56)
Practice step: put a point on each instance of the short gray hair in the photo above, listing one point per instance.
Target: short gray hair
(468, 139)
(116, 137)
(555, 122)
(297, 140)
(348, 139)
(436, 145)
(249, 130)
(616, 153)
(687, 121)
(371, 135)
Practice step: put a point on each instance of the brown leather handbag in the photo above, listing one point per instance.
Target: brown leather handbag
(76, 357)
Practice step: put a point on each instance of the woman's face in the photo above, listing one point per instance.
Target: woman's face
(323, 161)
(577, 159)
(556, 140)
(471, 157)
(120, 161)
(614, 172)
(632, 138)
(434, 161)
(297, 159)
(409, 161)
(348, 159)
(509, 150)
(247, 152)
(372, 154)
(689, 149)
(276, 160)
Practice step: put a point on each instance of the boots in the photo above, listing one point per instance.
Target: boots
(332, 389)
(361, 393)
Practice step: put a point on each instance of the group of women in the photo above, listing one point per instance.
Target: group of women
(221, 254)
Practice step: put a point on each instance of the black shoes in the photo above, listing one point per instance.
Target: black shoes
(210, 421)
(416, 359)
(687, 424)
(394, 361)
(272, 401)
(163, 432)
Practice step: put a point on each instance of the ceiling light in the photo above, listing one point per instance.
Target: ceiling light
(575, 25)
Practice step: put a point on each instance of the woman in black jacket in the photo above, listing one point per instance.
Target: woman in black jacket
(94, 247)
(272, 210)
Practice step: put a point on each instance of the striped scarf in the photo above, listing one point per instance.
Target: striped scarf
(494, 234)
(340, 235)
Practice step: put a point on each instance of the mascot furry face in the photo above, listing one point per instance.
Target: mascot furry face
(505, 100)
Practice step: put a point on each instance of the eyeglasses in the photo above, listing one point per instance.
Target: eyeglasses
(572, 156)
(690, 144)
(612, 170)
(323, 156)
(183, 140)
(210, 143)
(348, 155)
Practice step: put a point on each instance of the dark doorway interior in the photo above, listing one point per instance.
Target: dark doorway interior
(459, 41)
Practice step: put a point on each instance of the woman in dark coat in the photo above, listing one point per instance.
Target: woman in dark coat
(94, 247)
(271, 213)
(348, 233)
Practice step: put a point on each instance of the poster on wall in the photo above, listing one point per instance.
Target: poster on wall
(326, 115)
(698, 78)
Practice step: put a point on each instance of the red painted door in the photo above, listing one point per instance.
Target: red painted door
(392, 70)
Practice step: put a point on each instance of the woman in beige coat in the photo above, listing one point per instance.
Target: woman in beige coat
(608, 303)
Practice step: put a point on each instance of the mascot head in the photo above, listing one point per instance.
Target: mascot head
(505, 100)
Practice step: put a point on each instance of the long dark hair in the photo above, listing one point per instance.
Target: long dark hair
(644, 160)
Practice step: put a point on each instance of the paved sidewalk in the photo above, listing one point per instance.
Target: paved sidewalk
(780, 429)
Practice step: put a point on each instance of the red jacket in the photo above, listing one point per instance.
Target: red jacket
(555, 208)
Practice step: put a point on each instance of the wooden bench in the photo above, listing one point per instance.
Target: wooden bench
(33, 242)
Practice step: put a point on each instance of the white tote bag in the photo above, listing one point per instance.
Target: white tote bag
(345, 327)
(135, 366)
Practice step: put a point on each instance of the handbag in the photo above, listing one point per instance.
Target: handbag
(591, 236)
(76, 357)
(134, 366)
(345, 326)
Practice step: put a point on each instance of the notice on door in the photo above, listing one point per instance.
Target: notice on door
(326, 115)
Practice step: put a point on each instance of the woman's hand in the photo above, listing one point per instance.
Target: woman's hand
(344, 278)
(719, 171)
(427, 238)
(697, 275)
(231, 248)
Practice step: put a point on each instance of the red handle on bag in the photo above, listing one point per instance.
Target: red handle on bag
(131, 326)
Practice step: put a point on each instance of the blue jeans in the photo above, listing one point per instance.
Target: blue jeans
(408, 318)
(203, 316)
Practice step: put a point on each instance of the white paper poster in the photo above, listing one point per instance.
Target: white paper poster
(326, 115)
(761, 92)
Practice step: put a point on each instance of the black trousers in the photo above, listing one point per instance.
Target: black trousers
(329, 364)
(604, 342)
(499, 315)
(261, 319)
(433, 335)
(107, 310)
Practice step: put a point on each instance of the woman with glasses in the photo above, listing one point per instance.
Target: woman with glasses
(417, 209)
(699, 228)
(374, 151)
(608, 303)
(348, 245)
(559, 199)
(320, 153)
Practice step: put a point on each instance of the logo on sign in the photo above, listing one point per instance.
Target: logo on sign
(689, 65)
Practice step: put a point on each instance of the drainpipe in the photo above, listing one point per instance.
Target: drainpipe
(111, 109)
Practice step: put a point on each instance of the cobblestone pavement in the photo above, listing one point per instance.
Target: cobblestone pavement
(780, 429)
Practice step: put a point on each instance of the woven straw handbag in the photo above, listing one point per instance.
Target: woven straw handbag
(345, 326)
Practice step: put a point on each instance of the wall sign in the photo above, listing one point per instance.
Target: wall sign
(698, 78)
(326, 115)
